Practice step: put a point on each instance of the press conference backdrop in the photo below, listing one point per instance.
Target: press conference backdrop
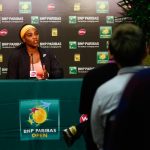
(34, 113)
(76, 30)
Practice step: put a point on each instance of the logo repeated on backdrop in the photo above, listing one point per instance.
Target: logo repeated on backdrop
(102, 7)
(75, 44)
(77, 57)
(35, 20)
(83, 19)
(39, 119)
(110, 19)
(4, 70)
(102, 57)
(25, 7)
(105, 32)
(83, 70)
(88, 44)
(72, 45)
(1, 7)
(51, 7)
(1, 58)
(12, 19)
(88, 19)
(3, 32)
(107, 45)
(51, 44)
(54, 32)
(10, 45)
(75, 29)
(72, 19)
(73, 70)
(46, 19)
(82, 32)
(77, 7)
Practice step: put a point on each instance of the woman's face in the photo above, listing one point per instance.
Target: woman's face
(31, 38)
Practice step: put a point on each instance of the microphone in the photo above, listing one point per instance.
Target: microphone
(74, 132)
(32, 66)
(32, 71)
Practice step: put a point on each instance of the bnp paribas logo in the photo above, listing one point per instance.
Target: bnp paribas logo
(25, 7)
(39, 119)
(72, 19)
(34, 19)
(72, 45)
(102, 57)
(110, 19)
(73, 70)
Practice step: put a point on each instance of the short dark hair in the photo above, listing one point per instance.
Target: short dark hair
(128, 44)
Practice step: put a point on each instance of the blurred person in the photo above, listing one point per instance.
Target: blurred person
(128, 47)
(28, 60)
(91, 81)
(131, 130)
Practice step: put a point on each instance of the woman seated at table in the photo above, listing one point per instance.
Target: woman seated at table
(30, 61)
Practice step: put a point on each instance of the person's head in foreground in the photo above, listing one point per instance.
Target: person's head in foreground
(128, 45)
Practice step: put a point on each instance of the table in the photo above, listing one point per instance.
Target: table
(23, 101)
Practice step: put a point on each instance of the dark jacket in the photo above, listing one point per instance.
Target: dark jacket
(131, 124)
(19, 64)
(91, 81)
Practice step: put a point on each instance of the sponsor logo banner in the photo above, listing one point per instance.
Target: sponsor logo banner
(102, 7)
(83, 19)
(54, 32)
(82, 32)
(37, 19)
(51, 6)
(75, 44)
(74, 70)
(77, 7)
(84, 69)
(3, 32)
(1, 7)
(10, 44)
(25, 7)
(102, 57)
(1, 58)
(76, 57)
(105, 32)
(12, 20)
(39, 119)
(110, 19)
(4, 70)
(51, 44)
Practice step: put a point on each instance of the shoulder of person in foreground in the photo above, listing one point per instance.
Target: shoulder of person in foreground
(91, 81)
(132, 114)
